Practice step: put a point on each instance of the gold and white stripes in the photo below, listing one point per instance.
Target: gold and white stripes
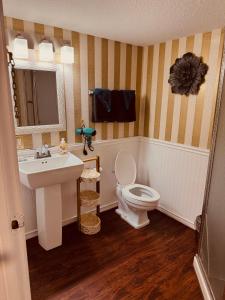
(153, 90)
(192, 98)
(143, 90)
(176, 118)
(165, 90)
(177, 98)
(69, 95)
(84, 78)
(108, 64)
(98, 63)
(133, 81)
(209, 89)
(122, 82)
(110, 80)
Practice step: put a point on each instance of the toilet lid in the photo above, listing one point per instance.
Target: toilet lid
(125, 168)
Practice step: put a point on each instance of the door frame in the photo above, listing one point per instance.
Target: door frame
(14, 275)
(213, 143)
(198, 266)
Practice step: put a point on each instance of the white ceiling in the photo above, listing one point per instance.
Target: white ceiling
(141, 22)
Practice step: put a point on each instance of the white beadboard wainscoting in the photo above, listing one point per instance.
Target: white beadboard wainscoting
(107, 151)
(178, 172)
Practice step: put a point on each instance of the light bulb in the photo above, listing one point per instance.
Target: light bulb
(46, 51)
(20, 48)
(67, 55)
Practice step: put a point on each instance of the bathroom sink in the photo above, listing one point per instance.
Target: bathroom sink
(45, 176)
(37, 173)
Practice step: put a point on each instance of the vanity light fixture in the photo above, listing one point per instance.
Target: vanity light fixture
(20, 47)
(67, 54)
(46, 51)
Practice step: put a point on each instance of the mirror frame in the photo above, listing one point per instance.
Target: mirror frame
(58, 68)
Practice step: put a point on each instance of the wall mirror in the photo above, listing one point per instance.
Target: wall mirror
(39, 96)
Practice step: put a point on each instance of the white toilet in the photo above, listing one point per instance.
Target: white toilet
(134, 200)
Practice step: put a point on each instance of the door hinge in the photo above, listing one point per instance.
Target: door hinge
(17, 222)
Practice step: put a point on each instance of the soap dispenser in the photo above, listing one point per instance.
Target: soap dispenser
(19, 143)
(63, 147)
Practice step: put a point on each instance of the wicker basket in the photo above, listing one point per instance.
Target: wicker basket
(89, 198)
(90, 175)
(90, 224)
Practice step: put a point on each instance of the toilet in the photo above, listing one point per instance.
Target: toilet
(134, 200)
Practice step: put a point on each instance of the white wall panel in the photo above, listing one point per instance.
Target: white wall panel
(107, 151)
(178, 173)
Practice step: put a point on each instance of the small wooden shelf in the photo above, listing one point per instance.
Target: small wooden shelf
(89, 223)
(89, 198)
(90, 175)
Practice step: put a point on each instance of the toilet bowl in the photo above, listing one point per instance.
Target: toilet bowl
(134, 200)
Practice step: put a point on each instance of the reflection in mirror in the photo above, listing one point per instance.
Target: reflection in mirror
(37, 97)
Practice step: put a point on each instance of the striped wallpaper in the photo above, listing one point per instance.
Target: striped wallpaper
(110, 64)
(176, 118)
(98, 63)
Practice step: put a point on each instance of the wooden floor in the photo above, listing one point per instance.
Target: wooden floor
(118, 263)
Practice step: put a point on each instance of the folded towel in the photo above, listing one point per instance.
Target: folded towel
(113, 106)
(104, 96)
(125, 106)
(128, 96)
(102, 105)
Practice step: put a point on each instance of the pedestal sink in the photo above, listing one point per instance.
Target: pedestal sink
(46, 176)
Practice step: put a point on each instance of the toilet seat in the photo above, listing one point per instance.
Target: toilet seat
(134, 200)
(135, 194)
(140, 195)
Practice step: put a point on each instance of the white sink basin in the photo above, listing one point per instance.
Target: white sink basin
(45, 176)
(37, 173)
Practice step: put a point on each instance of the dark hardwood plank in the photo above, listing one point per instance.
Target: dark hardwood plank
(120, 262)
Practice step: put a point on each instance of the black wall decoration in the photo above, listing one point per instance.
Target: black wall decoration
(187, 74)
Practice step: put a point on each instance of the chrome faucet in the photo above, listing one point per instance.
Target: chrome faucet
(42, 152)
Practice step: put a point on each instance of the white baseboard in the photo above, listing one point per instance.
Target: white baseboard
(201, 279)
(176, 217)
(30, 234)
(33, 233)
